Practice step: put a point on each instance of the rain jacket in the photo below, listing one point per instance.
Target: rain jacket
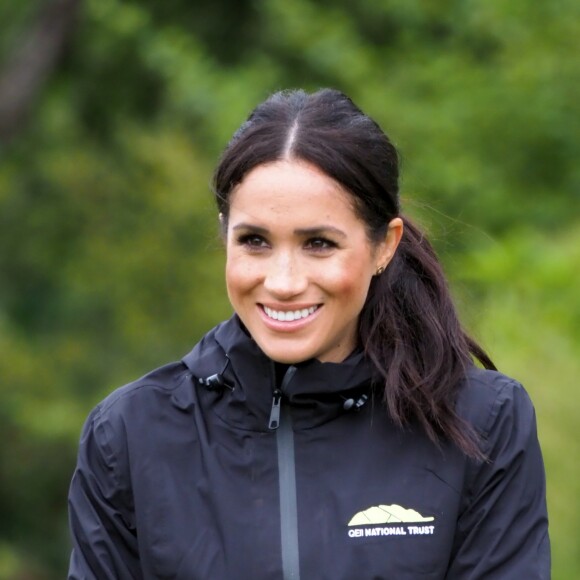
(212, 468)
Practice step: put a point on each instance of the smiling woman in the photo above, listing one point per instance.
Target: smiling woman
(340, 407)
(299, 262)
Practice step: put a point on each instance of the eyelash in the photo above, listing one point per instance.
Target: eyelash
(324, 244)
(256, 242)
(250, 241)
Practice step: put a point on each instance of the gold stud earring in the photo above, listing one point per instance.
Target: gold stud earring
(380, 270)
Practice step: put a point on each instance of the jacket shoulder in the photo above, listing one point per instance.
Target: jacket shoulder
(487, 396)
(171, 383)
(161, 382)
(130, 412)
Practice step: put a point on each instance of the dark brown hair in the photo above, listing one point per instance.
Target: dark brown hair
(408, 327)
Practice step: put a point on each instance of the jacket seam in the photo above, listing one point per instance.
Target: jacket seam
(134, 388)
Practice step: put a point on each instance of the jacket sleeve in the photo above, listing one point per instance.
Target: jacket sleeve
(502, 532)
(100, 509)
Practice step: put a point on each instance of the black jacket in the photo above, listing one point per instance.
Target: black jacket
(188, 479)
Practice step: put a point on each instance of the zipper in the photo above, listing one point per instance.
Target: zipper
(281, 422)
(274, 422)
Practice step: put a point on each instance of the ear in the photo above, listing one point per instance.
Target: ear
(385, 249)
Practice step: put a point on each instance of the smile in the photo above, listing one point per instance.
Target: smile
(289, 315)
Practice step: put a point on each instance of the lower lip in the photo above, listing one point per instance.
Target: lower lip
(287, 325)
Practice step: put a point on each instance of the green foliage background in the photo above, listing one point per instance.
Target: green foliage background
(110, 262)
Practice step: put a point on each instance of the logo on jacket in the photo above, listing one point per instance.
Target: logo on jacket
(370, 522)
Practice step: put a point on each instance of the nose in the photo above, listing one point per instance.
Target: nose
(285, 278)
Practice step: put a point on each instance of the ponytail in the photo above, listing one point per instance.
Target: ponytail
(411, 333)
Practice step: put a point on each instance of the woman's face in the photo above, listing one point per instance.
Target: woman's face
(299, 262)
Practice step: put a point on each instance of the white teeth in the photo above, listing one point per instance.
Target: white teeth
(289, 315)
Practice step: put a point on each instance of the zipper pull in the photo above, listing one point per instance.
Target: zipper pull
(274, 422)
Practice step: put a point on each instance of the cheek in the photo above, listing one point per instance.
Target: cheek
(349, 283)
(234, 280)
(240, 276)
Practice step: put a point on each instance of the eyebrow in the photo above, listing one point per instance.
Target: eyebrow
(313, 231)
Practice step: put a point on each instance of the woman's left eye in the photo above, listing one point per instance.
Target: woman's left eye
(320, 244)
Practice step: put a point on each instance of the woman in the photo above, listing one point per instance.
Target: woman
(336, 427)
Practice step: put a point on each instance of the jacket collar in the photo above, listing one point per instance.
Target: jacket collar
(317, 391)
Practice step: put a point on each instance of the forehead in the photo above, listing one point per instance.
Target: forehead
(291, 188)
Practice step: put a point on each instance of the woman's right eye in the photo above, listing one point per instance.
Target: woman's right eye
(253, 241)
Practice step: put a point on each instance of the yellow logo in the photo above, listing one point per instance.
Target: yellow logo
(388, 514)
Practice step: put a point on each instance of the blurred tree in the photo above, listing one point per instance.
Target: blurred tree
(31, 62)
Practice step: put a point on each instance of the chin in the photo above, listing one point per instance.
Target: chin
(287, 358)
